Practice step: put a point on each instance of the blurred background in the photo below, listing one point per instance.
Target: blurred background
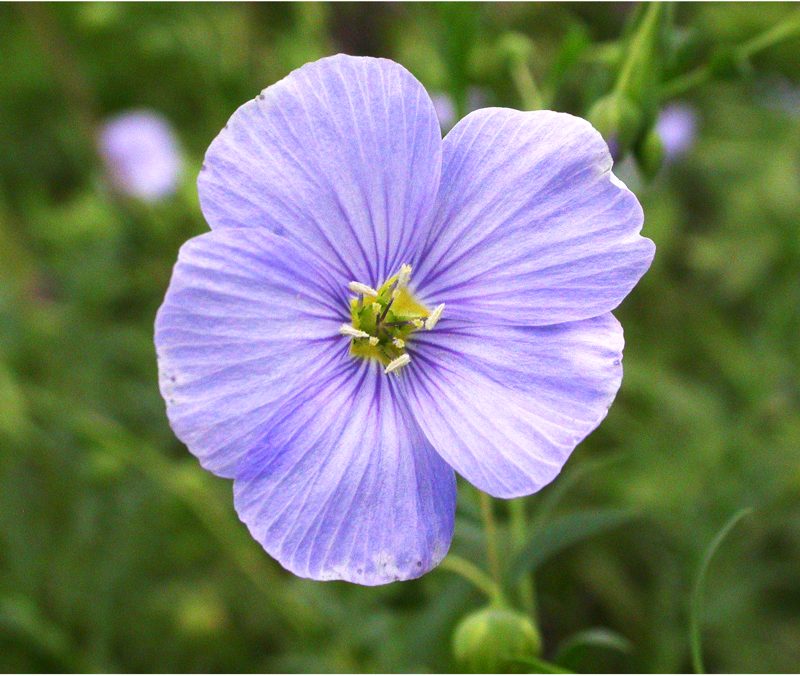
(118, 553)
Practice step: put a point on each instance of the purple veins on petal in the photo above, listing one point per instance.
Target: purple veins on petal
(531, 226)
(345, 486)
(246, 321)
(505, 406)
(343, 156)
(376, 307)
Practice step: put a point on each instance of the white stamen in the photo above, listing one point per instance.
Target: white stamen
(358, 287)
(404, 275)
(352, 331)
(434, 317)
(399, 343)
(395, 364)
(373, 340)
(418, 323)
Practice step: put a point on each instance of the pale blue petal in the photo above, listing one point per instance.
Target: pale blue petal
(346, 487)
(506, 406)
(342, 156)
(532, 227)
(247, 320)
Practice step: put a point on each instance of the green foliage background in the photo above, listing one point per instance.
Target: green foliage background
(118, 553)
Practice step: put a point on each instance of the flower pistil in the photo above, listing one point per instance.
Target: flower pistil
(383, 319)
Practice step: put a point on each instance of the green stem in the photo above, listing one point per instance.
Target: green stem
(490, 529)
(683, 83)
(529, 93)
(640, 44)
(702, 74)
(519, 532)
(696, 602)
(770, 37)
(470, 572)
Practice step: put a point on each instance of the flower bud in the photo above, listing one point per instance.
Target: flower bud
(492, 640)
(650, 154)
(618, 119)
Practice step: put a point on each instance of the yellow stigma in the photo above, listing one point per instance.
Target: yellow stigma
(383, 320)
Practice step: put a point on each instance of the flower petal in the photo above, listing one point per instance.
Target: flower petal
(506, 406)
(246, 320)
(346, 486)
(532, 227)
(343, 156)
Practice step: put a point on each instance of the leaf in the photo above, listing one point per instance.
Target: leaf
(564, 532)
(696, 600)
(541, 666)
(598, 637)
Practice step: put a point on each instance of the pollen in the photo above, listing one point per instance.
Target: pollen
(352, 331)
(384, 320)
(395, 364)
(362, 289)
(434, 317)
(404, 276)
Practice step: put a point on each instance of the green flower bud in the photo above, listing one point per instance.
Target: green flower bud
(492, 640)
(650, 154)
(618, 119)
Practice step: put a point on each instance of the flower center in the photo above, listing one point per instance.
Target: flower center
(384, 320)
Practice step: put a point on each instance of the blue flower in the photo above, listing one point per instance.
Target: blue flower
(376, 307)
(141, 155)
(677, 127)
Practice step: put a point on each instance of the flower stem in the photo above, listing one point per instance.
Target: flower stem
(641, 45)
(490, 529)
(772, 36)
(683, 83)
(703, 74)
(470, 572)
(696, 600)
(529, 94)
(519, 529)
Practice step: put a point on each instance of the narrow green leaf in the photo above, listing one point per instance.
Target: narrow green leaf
(597, 637)
(696, 601)
(564, 532)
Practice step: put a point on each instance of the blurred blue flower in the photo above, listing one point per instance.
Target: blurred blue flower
(141, 154)
(677, 127)
(376, 307)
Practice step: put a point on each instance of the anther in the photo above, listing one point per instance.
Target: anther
(376, 307)
(418, 323)
(399, 343)
(404, 275)
(395, 364)
(434, 317)
(358, 287)
(373, 340)
(352, 331)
